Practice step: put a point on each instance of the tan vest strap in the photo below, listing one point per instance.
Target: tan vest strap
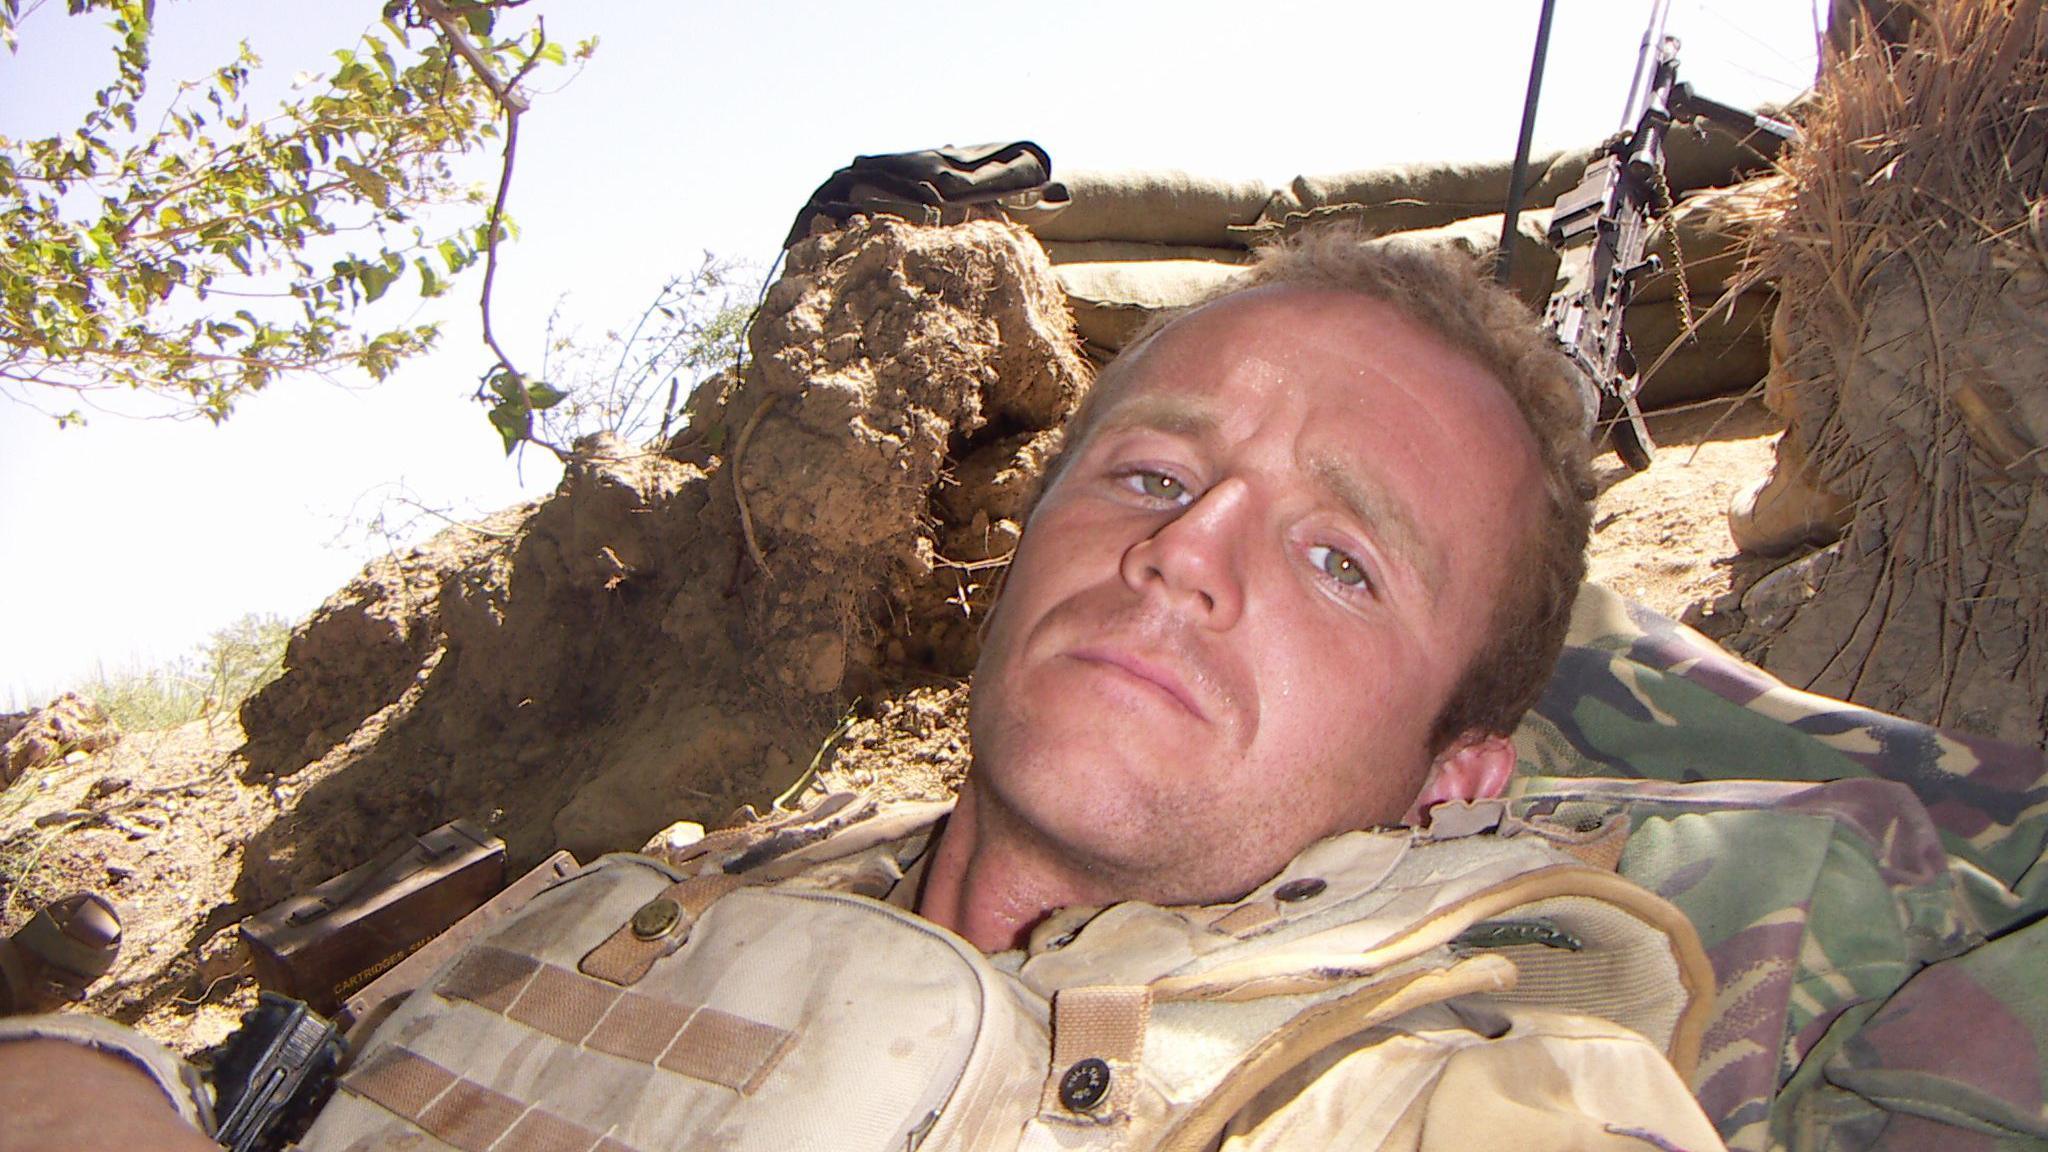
(701, 1043)
(463, 1113)
(1098, 1038)
(1317, 1029)
(658, 928)
(1246, 919)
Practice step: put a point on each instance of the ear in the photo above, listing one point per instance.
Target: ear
(1474, 767)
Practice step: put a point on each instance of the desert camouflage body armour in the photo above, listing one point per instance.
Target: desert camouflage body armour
(763, 991)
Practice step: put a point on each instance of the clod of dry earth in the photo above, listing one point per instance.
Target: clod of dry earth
(65, 726)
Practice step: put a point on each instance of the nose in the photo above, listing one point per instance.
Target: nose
(1194, 559)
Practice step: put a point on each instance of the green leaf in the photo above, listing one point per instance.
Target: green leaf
(372, 182)
(513, 425)
(541, 397)
(376, 279)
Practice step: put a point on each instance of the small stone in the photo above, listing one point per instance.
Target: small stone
(107, 786)
(1771, 602)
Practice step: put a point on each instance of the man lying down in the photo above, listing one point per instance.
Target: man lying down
(1217, 876)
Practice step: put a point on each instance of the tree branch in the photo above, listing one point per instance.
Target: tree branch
(457, 36)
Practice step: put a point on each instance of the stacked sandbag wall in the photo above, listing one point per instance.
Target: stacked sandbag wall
(1135, 244)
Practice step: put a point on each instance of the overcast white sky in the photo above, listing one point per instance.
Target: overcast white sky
(704, 126)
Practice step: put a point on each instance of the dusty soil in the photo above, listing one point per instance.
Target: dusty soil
(157, 822)
(1661, 536)
(643, 647)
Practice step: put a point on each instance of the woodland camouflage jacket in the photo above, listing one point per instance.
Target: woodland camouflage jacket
(1870, 890)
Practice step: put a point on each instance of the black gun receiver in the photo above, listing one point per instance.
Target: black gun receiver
(1601, 230)
(272, 1074)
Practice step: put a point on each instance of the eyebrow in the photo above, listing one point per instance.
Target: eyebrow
(1387, 517)
(1390, 520)
(1174, 415)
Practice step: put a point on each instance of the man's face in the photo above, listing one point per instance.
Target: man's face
(1235, 614)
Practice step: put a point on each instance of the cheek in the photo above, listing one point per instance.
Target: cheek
(1343, 711)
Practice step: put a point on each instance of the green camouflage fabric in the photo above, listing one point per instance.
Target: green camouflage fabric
(1869, 889)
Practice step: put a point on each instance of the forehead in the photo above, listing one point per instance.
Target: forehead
(1392, 423)
(1294, 347)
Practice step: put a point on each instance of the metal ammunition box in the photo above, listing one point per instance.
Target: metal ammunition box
(322, 946)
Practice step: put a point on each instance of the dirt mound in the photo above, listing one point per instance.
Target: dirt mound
(1914, 274)
(64, 726)
(642, 646)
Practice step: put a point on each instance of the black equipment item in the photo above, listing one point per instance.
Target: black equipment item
(325, 945)
(272, 1074)
(56, 956)
(937, 186)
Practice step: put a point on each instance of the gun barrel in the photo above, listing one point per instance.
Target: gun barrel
(1646, 66)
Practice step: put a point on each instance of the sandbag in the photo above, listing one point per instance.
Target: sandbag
(1728, 352)
(1112, 298)
(1713, 229)
(1164, 207)
(1691, 162)
(1135, 251)
(1534, 269)
(1408, 197)
(1111, 301)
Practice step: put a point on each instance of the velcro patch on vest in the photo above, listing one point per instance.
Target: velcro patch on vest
(463, 1113)
(700, 1042)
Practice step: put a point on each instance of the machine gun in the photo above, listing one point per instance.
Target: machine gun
(1601, 229)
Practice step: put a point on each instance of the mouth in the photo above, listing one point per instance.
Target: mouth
(1145, 671)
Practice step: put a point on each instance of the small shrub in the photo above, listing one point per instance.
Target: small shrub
(634, 383)
(211, 680)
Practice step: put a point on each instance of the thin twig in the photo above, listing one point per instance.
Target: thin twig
(972, 565)
(507, 94)
(739, 495)
(458, 37)
(436, 513)
(495, 232)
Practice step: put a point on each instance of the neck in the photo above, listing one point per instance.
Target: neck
(991, 881)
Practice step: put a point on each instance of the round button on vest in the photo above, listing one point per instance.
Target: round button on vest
(657, 918)
(1294, 891)
(1085, 1084)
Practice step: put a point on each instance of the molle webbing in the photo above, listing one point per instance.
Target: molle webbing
(698, 1042)
(464, 1114)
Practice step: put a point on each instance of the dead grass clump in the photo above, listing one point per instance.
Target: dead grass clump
(1912, 259)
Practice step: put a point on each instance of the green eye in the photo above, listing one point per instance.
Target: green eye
(1160, 486)
(1338, 566)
